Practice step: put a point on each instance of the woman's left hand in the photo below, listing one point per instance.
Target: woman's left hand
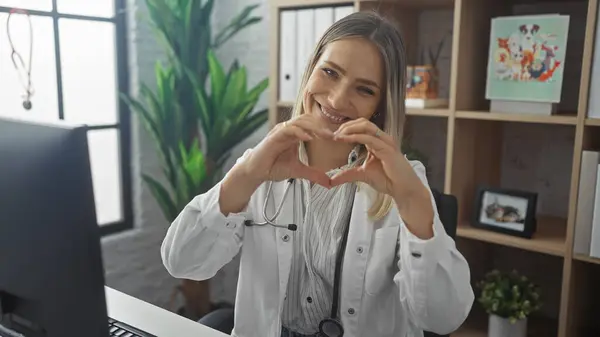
(386, 168)
(388, 171)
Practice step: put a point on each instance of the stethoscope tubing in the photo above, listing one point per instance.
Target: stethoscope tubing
(271, 220)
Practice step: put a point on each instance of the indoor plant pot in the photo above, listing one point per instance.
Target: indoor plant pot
(503, 327)
(509, 299)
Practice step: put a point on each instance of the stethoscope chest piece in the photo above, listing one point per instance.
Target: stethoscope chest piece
(330, 327)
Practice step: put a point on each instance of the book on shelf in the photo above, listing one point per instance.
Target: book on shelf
(586, 240)
(525, 63)
(586, 205)
(301, 29)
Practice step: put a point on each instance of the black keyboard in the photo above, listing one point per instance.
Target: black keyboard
(120, 329)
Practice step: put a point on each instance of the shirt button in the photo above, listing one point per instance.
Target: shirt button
(416, 254)
(230, 225)
(309, 299)
(359, 250)
(285, 238)
(351, 311)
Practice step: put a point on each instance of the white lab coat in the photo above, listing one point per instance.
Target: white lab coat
(393, 283)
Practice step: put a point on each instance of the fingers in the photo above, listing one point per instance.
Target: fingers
(365, 126)
(374, 144)
(311, 125)
(303, 128)
(296, 133)
(349, 175)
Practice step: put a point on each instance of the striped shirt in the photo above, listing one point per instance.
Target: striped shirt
(324, 216)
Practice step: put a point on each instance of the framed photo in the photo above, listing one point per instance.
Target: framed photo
(505, 211)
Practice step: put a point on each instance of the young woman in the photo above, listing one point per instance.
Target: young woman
(352, 191)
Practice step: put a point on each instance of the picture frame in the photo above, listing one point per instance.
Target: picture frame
(526, 58)
(507, 211)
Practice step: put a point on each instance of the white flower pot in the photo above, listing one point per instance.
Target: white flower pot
(502, 327)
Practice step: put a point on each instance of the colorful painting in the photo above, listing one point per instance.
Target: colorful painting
(527, 58)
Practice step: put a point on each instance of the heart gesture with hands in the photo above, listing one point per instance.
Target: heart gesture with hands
(385, 169)
(276, 157)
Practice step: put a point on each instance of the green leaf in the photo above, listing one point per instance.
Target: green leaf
(181, 110)
(217, 78)
(235, 91)
(162, 196)
(238, 23)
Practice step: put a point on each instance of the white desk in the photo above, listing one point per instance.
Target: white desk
(153, 319)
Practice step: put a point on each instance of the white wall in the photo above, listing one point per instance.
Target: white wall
(132, 259)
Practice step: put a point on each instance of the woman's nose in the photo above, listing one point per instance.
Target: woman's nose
(338, 97)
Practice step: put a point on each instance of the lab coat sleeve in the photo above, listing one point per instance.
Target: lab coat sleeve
(201, 240)
(434, 277)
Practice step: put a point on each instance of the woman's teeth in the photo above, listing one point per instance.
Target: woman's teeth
(333, 118)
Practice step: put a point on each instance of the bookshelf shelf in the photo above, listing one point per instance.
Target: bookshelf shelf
(587, 259)
(428, 112)
(285, 104)
(521, 118)
(549, 238)
(592, 121)
(468, 145)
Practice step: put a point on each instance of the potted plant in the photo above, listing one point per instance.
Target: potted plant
(509, 299)
(198, 112)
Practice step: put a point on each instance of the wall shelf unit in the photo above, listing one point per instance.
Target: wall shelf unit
(470, 145)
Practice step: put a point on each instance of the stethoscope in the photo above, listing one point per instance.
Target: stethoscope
(332, 326)
(271, 221)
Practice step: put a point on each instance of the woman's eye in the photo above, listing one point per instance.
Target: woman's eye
(366, 90)
(330, 72)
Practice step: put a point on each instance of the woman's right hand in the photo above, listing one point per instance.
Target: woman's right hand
(276, 157)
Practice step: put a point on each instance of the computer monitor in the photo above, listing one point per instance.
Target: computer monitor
(51, 273)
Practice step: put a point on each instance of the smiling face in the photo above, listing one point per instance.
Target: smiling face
(346, 83)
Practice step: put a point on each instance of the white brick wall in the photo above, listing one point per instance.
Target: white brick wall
(132, 259)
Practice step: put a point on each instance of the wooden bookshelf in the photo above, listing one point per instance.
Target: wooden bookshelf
(565, 119)
(474, 135)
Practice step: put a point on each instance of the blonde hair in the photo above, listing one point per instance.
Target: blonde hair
(390, 116)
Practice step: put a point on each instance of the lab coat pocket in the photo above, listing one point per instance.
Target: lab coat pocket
(380, 268)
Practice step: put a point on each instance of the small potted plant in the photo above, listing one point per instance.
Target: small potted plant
(509, 299)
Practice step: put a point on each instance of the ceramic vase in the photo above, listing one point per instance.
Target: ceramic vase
(502, 327)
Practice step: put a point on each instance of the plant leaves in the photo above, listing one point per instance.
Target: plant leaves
(162, 196)
(217, 78)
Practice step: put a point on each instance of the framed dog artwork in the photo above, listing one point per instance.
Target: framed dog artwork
(505, 211)
(527, 57)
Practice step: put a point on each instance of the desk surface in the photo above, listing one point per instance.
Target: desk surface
(153, 319)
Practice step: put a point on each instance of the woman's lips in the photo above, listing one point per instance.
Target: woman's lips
(333, 117)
